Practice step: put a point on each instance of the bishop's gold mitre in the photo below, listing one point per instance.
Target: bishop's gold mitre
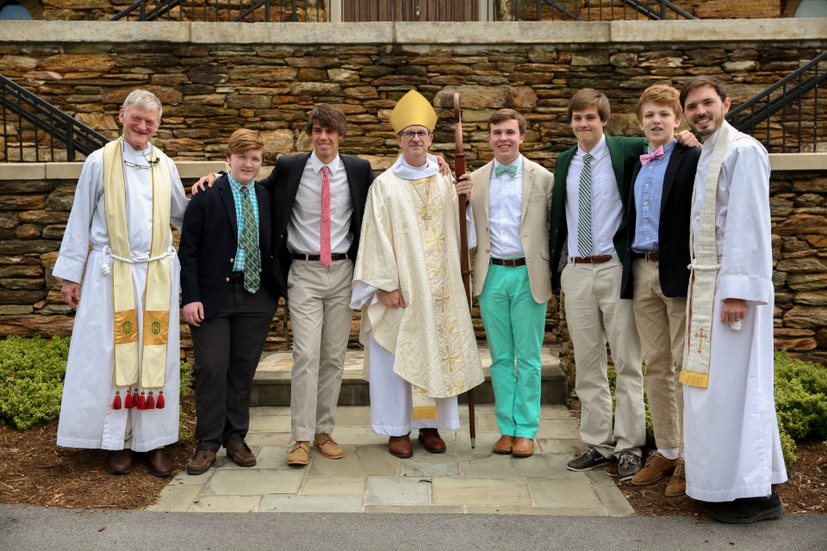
(413, 109)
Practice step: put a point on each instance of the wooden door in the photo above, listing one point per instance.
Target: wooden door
(409, 10)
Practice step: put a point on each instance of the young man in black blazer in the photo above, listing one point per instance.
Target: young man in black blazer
(230, 284)
(655, 273)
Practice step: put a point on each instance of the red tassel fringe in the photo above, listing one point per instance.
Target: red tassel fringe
(127, 404)
(150, 401)
(161, 402)
(142, 401)
(116, 403)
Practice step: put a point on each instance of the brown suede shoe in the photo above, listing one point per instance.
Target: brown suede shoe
(431, 440)
(240, 453)
(503, 445)
(677, 485)
(120, 463)
(328, 446)
(299, 455)
(201, 462)
(657, 467)
(400, 446)
(523, 447)
(159, 464)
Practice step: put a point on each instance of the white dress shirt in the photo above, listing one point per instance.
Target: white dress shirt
(607, 210)
(505, 212)
(304, 229)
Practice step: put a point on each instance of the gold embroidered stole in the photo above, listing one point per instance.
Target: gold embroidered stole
(704, 265)
(153, 349)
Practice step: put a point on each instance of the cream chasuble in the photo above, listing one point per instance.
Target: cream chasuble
(410, 242)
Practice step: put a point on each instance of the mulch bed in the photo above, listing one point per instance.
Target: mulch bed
(36, 471)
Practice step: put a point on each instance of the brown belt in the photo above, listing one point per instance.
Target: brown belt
(600, 259)
(508, 263)
(651, 256)
(317, 257)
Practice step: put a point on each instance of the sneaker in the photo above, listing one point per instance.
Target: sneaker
(588, 460)
(677, 485)
(299, 454)
(328, 447)
(747, 510)
(657, 467)
(628, 465)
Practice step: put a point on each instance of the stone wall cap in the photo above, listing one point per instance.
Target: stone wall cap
(719, 30)
(793, 162)
(292, 33)
(103, 31)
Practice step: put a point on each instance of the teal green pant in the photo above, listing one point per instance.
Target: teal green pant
(515, 327)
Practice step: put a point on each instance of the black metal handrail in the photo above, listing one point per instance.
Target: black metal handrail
(780, 115)
(227, 10)
(24, 113)
(597, 10)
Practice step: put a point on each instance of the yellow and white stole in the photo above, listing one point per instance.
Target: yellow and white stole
(705, 265)
(152, 373)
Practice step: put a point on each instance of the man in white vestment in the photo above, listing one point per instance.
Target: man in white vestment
(732, 445)
(420, 348)
(120, 270)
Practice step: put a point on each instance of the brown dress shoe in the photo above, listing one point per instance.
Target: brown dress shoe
(201, 462)
(299, 455)
(159, 464)
(400, 446)
(503, 445)
(523, 447)
(657, 467)
(120, 463)
(431, 440)
(240, 453)
(677, 484)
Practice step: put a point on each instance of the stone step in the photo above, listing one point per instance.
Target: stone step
(271, 386)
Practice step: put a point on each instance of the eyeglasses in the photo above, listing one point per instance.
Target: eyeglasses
(409, 134)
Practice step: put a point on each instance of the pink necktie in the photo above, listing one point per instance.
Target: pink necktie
(325, 230)
(649, 157)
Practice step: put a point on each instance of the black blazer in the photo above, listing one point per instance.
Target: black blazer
(673, 228)
(283, 184)
(209, 241)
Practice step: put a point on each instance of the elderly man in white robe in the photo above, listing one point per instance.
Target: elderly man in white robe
(120, 270)
(421, 351)
(732, 445)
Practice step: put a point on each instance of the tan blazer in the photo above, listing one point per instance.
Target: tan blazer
(537, 185)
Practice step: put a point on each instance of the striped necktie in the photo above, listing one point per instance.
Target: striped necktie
(584, 216)
(249, 242)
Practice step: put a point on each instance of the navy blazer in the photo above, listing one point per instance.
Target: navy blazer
(673, 227)
(283, 184)
(209, 241)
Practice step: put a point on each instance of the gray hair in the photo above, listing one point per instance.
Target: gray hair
(143, 99)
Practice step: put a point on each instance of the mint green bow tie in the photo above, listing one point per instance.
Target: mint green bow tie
(511, 170)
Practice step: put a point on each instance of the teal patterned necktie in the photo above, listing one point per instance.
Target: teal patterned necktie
(511, 170)
(249, 242)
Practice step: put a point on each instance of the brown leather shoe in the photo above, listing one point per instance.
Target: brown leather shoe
(523, 447)
(201, 462)
(159, 464)
(400, 446)
(657, 467)
(431, 440)
(328, 446)
(240, 453)
(503, 445)
(299, 455)
(120, 463)
(677, 484)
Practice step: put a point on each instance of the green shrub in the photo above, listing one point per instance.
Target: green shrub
(800, 401)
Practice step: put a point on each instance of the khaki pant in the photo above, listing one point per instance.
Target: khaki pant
(595, 313)
(661, 323)
(319, 301)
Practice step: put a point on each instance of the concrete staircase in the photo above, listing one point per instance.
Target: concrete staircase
(271, 386)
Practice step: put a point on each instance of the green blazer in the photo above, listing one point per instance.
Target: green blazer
(624, 152)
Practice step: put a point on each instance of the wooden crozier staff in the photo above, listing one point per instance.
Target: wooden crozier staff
(464, 261)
